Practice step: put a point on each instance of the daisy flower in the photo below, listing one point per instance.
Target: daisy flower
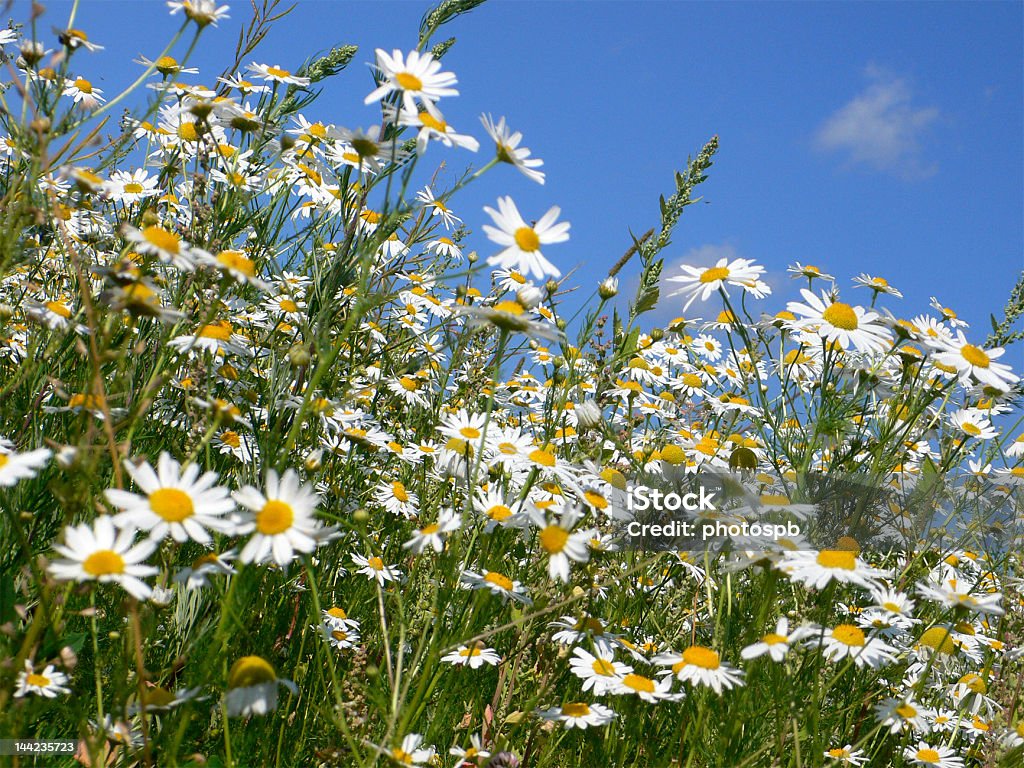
(439, 209)
(846, 756)
(651, 691)
(397, 499)
(579, 715)
(176, 503)
(497, 584)
(511, 317)
(202, 12)
(601, 672)
(840, 323)
(83, 92)
(252, 687)
(374, 568)
(104, 554)
(473, 656)
(411, 751)
(956, 593)
(523, 242)
(48, 683)
(561, 543)
(778, 643)
(849, 641)
(938, 756)
(475, 753)
(971, 361)
(699, 665)
(196, 575)
(876, 284)
(432, 535)
(901, 714)
(811, 272)
(282, 518)
(816, 569)
(701, 282)
(274, 74)
(506, 145)
(21, 466)
(418, 77)
(433, 126)
(164, 244)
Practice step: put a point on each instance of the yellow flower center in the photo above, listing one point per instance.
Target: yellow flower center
(603, 667)
(337, 634)
(576, 709)
(171, 504)
(432, 122)
(975, 356)
(407, 81)
(553, 539)
(699, 656)
(473, 650)
(713, 274)
(773, 639)
(939, 640)
(409, 385)
(103, 562)
(638, 683)
(509, 307)
(40, 681)
(927, 755)
(840, 315)
(249, 671)
(842, 559)
(275, 517)
(906, 711)
(499, 512)
(399, 492)
(236, 261)
(278, 72)
(848, 634)
(221, 331)
(58, 308)
(187, 131)
(499, 580)
(161, 239)
(470, 433)
(542, 457)
(337, 613)
(287, 305)
(376, 563)
(596, 499)
(526, 239)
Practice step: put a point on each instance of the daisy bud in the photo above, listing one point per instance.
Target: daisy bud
(68, 657)
(287, 142)
(588, 414)
(529, 296)
(31, 52)
(298, 356)
(561, 324)
(360, 517)
(657, 334)
(460, 291)
(472, 257)
(551, 286)
(201, 109)
(6, 311)
(608, 288)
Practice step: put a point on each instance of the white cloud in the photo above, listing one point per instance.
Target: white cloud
(881, 127)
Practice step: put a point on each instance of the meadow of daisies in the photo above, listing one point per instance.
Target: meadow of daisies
(303, 464)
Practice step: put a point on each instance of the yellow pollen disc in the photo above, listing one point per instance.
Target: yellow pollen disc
(287, 305)
(673, 454)
(891, 607)
(278, 72)
(133, 188)
(542, 457)
(773, 639)
(38, 680)
(409, 385)
(171, 504)
(509, 307)
(526, 239)
(842, 559)
(236, 261)
(337, 613)
(602, 667)
(399, 492)
(162, 239)
(975, 682)
(103, 562)
(499, 512)
(596, 499)
(187, 132)
(470, 433)
(699, 656)
(3, 460)
(840, 315)
(432, 122)
(339, 635)
(376, 563)
(83, 85)
(927, 756)
(499, 580)
(938, 639)
(249, 671)
(275, 517)
(166, 64)
(408, 81)
(970, 429)
(553, 539)
(430, 529)
(58, 308)
(848, 634)
(838, 752)
(577, 709)
(638, 683)
(221, 331)
(473, 650)
(975, 356)
(906, 711)
(713, 274)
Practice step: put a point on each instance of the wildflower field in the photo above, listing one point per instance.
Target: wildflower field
(303, 464)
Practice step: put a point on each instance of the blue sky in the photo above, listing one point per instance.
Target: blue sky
(861, 137)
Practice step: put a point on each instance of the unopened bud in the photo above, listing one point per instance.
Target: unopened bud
(472, 257)
(657, 334)
(551, 286)
(608, 288)
(287, 142)
(299, 356)
(529, 296)
(361, 517)
(561, 324)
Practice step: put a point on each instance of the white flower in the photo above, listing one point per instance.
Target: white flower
(179, 504)
(252, 687)
(282, 518)
(840, 323)
(816, 569)
(701, 282)
(561, 543)
(523, 242)
(970, 360)
(48, 683)
(778, 643)
(374, 568)
(473, 656)
(601, 672)
(506, 145)
(699, 665)
(417, 77)
(102, 553)
(202, 12)
(938, 756)
(410, 752)
(579, 715)
(432, 535)
(21, 466)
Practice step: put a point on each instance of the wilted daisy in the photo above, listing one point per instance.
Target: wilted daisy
(252, 687)
(473, 656)
(177, 503)
(282, 519)
(49, 683)
(699, 665)
(21, 466)
(506, 144)
(104, 554)
(523, 242)
(579, 715)
(702, 282)
(417, 76)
